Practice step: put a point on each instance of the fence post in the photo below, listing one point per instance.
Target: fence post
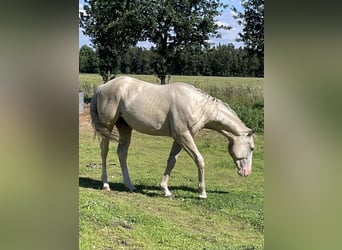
(80, 101)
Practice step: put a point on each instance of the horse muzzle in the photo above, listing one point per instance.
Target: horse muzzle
(244, 168)
(244, 172)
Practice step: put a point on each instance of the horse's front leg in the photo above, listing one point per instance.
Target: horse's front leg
(104, 145)
(175, 150)
(191, 148)
(125, 133)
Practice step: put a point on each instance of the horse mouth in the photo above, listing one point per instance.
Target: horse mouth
(244, 172)
(243, 169)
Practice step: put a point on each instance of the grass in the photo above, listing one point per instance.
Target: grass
(232, 217)
(197, 80)
(88, 81)
(204, 81)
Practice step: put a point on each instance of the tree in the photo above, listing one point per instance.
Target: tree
(221, 60)
(252, 19)
(113, 26)
(171, 25)
(88, 61)
(175, 25)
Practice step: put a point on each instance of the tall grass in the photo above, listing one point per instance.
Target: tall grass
(88, 83)
(247, 101)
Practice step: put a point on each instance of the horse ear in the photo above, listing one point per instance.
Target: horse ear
(252, 131)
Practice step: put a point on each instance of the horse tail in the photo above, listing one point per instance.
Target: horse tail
(98, 126)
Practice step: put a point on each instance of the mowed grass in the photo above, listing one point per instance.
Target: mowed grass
(232, 217)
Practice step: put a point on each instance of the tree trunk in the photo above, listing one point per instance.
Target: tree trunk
(162, 79)
(106, 75)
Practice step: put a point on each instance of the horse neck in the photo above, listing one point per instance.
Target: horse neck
(225, 119)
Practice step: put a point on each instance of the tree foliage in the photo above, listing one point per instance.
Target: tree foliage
(173, 26)
(137, 61)
(252, 20)
(222, 60)
(88, 61)
(113, 26)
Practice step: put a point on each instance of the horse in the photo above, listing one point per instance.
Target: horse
(176, 110)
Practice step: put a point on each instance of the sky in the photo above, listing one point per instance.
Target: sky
(227, 36)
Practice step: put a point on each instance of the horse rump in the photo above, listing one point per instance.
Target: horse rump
(99, 128)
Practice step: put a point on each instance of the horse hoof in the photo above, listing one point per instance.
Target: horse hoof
(202, 196)
(170, 197)
(106, 187)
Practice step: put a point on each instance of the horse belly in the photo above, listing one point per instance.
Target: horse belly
(147, 113)
(151, 125)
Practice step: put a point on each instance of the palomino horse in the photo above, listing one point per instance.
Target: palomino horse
(177, 110)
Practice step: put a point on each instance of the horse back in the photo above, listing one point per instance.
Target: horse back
(151, 108)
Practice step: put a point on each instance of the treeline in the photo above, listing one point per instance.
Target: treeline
(221, 60)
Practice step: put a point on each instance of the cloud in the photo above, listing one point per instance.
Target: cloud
(228, 36)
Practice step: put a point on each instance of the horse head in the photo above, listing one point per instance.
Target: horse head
(241, 150)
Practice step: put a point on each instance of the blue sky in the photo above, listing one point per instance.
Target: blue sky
(228, 36)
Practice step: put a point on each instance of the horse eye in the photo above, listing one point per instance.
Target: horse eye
(252, 148)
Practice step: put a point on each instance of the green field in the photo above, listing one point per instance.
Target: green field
(197, 80)
(232, 217)
(204, 82)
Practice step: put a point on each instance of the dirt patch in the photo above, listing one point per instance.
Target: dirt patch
(84, 118)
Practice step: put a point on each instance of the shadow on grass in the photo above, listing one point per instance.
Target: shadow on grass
(151, 191)
(96, 184)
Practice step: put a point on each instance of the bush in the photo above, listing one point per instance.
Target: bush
(251, 115)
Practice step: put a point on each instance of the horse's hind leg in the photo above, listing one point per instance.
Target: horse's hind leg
(175, 150)
(125, 133)
(104, 145)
